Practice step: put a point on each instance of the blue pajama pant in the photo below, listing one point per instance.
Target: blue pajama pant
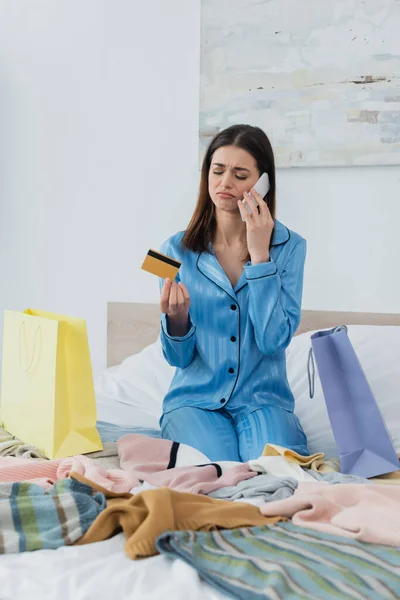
(240, 436)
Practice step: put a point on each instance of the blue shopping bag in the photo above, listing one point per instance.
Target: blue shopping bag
(360, 432)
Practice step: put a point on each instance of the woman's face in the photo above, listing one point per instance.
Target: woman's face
(233, 171)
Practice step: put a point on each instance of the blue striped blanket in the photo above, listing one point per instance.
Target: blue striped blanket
(32, 518)
(289, 562)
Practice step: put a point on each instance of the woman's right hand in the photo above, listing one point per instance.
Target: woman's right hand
(175, 303)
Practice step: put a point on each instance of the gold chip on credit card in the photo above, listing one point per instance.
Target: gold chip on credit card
(161, 265)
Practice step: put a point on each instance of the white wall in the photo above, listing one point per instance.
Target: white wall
(350, 218)
(98, 121)
(98, 151)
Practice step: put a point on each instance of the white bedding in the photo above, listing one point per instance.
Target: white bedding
(98, 571)
(132, 393)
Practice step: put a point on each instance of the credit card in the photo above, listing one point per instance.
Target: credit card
(161, 265)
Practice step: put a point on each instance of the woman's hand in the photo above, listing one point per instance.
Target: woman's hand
(175, 303)
(259, 227)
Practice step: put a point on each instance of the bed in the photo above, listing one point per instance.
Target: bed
(132, 326)
(102, 570)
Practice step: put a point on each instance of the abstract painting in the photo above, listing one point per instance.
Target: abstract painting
(321, 77)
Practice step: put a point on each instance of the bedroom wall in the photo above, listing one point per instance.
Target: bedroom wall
(98, 154)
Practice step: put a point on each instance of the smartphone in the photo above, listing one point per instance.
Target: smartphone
(262, 187)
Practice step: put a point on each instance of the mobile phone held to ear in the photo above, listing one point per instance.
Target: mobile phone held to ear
(262, 187)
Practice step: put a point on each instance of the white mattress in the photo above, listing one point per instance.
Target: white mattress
(98, 571)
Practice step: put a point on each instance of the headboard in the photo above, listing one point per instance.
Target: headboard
(132, 326)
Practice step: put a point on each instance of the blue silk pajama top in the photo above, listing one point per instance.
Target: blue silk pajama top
(234, 353)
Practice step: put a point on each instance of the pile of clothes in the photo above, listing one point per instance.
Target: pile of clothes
(281, 522)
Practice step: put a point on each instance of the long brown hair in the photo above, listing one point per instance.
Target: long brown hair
(201, 229)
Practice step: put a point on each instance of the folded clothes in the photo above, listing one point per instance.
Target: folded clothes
(149, 514)
(312, 461)
(316, 463)
(337, 478)
(280, 467)
(368, 513)
(333, 466)
(12, 446)
(285, 561)
(265, 487)
(32, 518)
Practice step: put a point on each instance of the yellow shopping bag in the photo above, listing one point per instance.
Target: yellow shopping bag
(47, 395)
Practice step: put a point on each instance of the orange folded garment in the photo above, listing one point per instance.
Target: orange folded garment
(147, 515)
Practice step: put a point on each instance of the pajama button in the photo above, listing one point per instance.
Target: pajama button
(223, 401)
(233, 339)
(231, 370)
(233, 306)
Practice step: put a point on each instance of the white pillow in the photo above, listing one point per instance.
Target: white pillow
(378, 350)
(131, 393)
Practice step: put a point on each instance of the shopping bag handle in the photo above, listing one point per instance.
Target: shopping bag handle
(311, 363)
(311, 374)
(35, 339)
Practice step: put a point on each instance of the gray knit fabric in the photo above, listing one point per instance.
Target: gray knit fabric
(265, 487)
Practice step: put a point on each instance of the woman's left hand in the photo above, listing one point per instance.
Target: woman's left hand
(259, 227)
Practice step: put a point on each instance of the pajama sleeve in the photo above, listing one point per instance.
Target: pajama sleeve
(178, 351)
(275, 300)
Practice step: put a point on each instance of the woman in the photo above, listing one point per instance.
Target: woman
(232, 310)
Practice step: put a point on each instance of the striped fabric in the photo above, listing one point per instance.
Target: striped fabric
(285, 561)
(32, 518)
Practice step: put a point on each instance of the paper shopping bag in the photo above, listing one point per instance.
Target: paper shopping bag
(47, 395)
(360, 432)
